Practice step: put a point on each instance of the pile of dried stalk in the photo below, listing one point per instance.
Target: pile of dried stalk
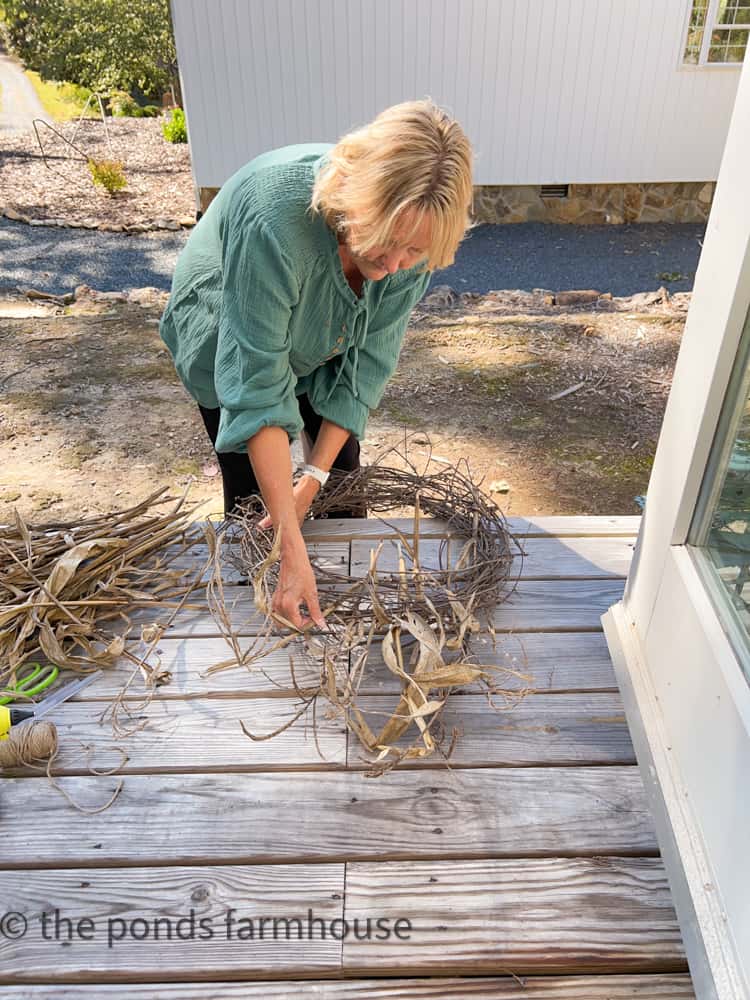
(420, 618)
(68, 592)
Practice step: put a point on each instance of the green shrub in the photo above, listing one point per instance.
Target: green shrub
(151, 110)
(122, 105)
(107, 174)
(174, 127)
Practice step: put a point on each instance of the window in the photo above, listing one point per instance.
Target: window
(721, 525)
(717, 32)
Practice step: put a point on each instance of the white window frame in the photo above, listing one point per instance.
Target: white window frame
(708, 27)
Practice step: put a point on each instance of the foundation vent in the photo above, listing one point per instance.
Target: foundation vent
(554, 191)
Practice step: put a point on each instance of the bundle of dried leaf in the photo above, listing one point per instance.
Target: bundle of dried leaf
(419, 619)
(68, 590)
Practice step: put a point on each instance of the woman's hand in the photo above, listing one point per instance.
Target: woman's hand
(296, 585)
(304, 492)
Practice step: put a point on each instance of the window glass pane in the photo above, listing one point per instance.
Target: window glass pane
(733, 12)
(722, 528)
(695, 31)
(728, 45)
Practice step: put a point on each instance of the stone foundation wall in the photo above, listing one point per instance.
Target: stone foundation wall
(685, 201)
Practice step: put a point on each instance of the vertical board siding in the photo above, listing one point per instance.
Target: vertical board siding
(548, 91)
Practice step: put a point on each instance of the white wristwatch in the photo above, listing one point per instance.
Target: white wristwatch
(316, 473)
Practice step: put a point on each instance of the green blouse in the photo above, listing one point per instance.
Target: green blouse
(261, 311)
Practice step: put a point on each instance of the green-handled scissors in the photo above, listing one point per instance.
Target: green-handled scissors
(36, 679)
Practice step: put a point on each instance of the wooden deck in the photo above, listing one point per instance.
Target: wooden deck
(529, 868)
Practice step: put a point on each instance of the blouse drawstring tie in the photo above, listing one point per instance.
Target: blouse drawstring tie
(358, 340)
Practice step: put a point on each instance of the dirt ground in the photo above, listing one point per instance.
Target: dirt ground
(93, 417)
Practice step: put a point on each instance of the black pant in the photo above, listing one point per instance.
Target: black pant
(237, 472)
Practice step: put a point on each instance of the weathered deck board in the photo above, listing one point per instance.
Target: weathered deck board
(552, 915)
(264, 817)
(200, 734)
(548, 662)
(569, 605)
(545, 556)
(521, 916)
(540, 729)
(549, 559)
(561, 526)
(102, 894)
(544, 605)
(544, 661)
(583, 558)
(188, 660)
(333, 557)
(206, 734)
(632, 987)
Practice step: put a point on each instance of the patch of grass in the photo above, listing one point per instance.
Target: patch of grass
(39, 400)
(629, 466)
(154, 371)
(186, 467)
(77, 454)
(603, 463)
(527, 422)
(399, 415)
(671, 276)
(44, 498)
(497, 380)
(62, 101)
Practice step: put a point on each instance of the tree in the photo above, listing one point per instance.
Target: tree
(100, 44)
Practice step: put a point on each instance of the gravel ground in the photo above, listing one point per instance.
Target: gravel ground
(56, 260)
(618, 259)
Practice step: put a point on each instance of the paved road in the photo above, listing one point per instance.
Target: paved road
(617, 259)
(19, 104)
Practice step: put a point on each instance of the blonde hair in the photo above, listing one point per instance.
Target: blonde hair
(413, 156)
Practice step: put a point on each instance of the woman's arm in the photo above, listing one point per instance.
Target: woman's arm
(269, 453)
(271, 459)
(329, 442)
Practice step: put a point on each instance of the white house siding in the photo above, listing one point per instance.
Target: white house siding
(548, 91)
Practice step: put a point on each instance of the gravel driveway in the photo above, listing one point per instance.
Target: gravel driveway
(618, 259)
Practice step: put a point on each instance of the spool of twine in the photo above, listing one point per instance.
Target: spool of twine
(31, 743)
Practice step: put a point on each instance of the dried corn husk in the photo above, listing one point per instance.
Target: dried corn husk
(68, 591)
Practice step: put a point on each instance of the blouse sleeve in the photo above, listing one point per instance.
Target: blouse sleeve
(253, 377)
(347, 399)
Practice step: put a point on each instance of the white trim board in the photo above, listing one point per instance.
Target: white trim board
(714, 964)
